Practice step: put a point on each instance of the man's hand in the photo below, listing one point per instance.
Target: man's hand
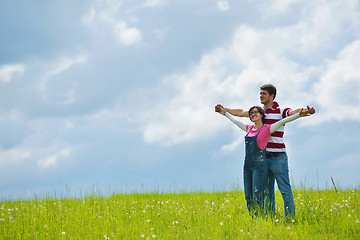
(220, 109)
(311, 110)
(307, 111)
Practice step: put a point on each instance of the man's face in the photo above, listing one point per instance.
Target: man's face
(264, 97)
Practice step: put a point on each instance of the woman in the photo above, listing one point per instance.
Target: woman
(256, 139)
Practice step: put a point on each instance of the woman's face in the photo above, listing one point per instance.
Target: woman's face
(255, 115)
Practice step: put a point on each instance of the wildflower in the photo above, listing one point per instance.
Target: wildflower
(288, 228)
(221, 223)
(63, 233)
(148, 220)
(154, 236)
(357, 221)
(293, 220)
(142, 235)
(276, 220)
(349, 215)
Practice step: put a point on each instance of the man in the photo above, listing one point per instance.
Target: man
(275, 150)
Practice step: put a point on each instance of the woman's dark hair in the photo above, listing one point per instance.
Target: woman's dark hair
(261, 111)
(271, 89)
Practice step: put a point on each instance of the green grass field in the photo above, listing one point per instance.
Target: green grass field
(322, 214)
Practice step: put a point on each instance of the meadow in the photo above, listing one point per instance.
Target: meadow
(320, 214)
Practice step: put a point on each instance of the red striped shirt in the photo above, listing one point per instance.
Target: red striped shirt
(272, 115)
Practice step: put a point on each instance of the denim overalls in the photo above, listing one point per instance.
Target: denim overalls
(255, 172)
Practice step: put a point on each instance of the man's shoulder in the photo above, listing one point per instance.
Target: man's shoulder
(277, 107)
(276, 112)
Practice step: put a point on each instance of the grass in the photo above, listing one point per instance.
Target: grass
(324, 214)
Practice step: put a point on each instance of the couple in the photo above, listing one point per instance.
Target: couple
(265, 155)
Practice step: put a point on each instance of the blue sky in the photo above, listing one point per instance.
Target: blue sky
(121, 94)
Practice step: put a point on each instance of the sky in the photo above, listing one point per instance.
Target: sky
(119, 95)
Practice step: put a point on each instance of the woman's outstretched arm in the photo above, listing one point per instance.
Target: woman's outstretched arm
(238, 123)
(220, 109)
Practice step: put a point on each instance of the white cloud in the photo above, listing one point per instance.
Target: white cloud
(11, 116)
(53, 159)
(70, 97)
(338, 90)
(161, 34)
(66, 63)
(127, 35)
(223, 5)
(13, 156)
(10, 72)
(27, 152)
(281, 5)
(233, 145)
(153, 3)
(89, 17)
(103, 18)
(57, 68)
(233, 74)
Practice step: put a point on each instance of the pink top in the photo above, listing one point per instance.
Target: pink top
(263, 137)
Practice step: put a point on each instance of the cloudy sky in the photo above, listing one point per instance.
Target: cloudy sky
(120, 94)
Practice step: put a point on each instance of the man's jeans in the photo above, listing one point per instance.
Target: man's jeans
(278, 169)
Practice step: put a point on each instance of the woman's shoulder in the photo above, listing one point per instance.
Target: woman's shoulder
(267, 127)
(249, 127)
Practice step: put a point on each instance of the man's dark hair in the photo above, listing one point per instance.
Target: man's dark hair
(271, 89)
(261, 111)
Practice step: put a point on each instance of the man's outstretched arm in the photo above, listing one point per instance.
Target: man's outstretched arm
(236, 112)
(308, 111)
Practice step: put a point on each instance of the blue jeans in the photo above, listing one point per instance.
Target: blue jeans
(278, 170)
(254, 180)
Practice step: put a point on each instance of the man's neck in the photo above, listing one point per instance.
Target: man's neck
(268, 105)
